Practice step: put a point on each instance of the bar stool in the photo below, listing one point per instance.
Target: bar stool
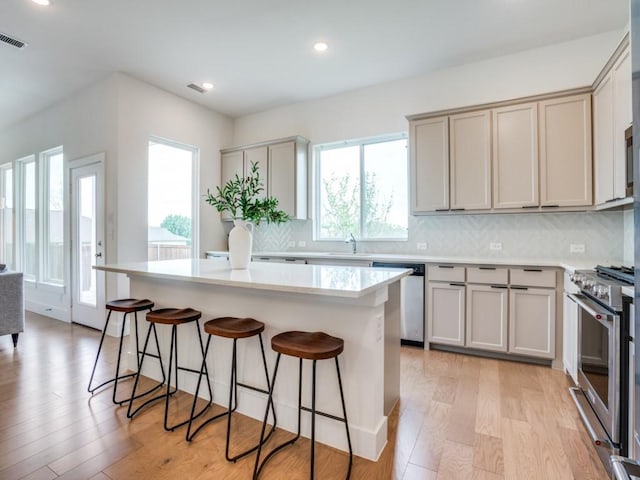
(235, 328)
(126, 306)
(309, 346)
(173, 317)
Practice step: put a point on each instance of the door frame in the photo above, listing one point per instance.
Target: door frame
(97, 160)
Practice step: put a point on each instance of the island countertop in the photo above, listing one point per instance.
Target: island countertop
(335, 281)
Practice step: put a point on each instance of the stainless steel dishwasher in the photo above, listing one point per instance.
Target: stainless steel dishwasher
(412, 321)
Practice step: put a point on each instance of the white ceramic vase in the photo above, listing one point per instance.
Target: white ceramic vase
(240, 243)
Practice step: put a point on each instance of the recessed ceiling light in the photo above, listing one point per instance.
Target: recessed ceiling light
(207, 86)
(44, 3)
(320, 46)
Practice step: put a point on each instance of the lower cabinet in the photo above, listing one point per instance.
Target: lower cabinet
(487, 317)
(446, 313)
(570, 337)
(532, 320)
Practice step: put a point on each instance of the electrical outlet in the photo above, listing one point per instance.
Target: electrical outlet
(421, 245)
(576, 248)
(291, 244)
(302, 243)
(495, 246)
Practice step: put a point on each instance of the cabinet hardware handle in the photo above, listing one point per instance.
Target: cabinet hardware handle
(457, 209)
(289, 259)
(571, 299)
(550, 206)
(442, 209)
(487, 268)
(532, 270)
(457, 284)
(445, 266)
(264, 258)
(519, 288)
(613, 199)
(530, 206)
(499, 286)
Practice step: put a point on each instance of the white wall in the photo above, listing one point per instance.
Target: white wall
(382, 108)
(117, 116)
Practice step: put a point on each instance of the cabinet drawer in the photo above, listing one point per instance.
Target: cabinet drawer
(489, 275)
(533, 277)
(445, 273)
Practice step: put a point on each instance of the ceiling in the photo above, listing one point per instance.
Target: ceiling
(259, 54)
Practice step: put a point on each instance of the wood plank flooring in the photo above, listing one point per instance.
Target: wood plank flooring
(459, 417)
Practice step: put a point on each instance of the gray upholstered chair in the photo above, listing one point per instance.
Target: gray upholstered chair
(11, 305)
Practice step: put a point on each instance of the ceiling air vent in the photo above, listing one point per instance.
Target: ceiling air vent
(197, 88)
(14, 42)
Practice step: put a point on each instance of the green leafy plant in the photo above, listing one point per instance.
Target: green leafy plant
(240, 198)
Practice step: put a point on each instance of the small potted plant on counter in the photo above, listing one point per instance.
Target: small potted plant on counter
(240, 198)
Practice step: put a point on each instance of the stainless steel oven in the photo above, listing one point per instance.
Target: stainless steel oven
(599, 362)
(602, 393)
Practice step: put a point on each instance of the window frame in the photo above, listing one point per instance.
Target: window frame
(44, 182)
(20, 216)
(317, 187)
(195, 188)
(4, 168)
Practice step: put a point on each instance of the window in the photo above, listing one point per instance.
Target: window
(6, 215)
(52, 180)
(36, 224)
(27, 220)
(171, 205)
(361, 188)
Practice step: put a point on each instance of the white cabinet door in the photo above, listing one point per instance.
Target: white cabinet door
(603, 140)
(446, 313)
(282, 176)
(487, 313)
(515, 156)
(470, 160)
(429, 157)
(622, 118)
(532, 320)
(570, 337)
(565, 151)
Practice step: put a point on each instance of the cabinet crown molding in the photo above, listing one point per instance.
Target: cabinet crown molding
(502, 103)
(295, 138)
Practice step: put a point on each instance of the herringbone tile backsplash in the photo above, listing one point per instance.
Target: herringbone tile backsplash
(607, 236)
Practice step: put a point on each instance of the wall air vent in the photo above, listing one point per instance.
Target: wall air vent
(14, 42)
(197, 88)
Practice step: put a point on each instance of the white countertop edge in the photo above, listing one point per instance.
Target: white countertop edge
(141, 269)
(569, 265)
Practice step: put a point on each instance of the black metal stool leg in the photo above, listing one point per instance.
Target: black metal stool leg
(346, 423)
(117, 377)
(203, 368)
(313, 420)
(95, 364)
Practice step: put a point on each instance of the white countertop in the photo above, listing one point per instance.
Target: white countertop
(336, 281)
(566, 264)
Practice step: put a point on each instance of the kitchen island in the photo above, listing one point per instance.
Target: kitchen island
(360, 305)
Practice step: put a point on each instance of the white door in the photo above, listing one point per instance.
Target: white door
(87, 244)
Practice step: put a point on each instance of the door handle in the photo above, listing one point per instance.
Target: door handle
(97, 255)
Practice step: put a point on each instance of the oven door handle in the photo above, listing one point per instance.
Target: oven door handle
(604, 317)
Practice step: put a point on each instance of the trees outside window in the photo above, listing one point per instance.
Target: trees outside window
(362, 188)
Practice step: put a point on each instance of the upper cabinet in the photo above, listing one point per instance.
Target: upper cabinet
(470, 160)
(282, 165)
(429, 157)
(515, 156)
(565, 151)
(612, 116)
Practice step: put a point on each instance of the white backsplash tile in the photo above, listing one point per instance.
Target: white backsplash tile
(605, 236)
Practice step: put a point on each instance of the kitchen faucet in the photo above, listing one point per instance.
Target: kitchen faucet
(353, 242)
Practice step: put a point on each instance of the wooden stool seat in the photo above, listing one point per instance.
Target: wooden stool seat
(173, 316)
(129, 305)
(308, 345)
(233, 327)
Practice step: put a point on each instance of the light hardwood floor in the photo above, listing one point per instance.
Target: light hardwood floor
(459, 417)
